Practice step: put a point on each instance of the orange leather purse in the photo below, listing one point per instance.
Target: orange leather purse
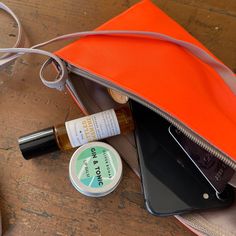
(166, 76)
(170, 72)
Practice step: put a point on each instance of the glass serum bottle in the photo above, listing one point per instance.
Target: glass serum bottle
(77, 132)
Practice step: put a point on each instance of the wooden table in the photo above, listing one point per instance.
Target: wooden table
(36, 197)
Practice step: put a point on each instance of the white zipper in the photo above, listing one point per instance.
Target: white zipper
(187, 131)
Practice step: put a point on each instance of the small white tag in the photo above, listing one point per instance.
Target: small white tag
(94, 127)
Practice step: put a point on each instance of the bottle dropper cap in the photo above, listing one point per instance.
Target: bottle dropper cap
(38, 143)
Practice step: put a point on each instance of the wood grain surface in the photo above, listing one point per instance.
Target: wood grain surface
(36, 197)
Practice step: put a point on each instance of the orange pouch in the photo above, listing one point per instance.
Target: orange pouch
(166, 76)
(174, 75)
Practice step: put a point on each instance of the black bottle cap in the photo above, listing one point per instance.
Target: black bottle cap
(38, 143)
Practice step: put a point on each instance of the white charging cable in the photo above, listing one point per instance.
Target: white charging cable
(222, 70)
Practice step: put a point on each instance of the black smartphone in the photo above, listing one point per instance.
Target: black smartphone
(171, 182)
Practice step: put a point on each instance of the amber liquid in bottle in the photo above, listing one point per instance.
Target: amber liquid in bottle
(124, 118)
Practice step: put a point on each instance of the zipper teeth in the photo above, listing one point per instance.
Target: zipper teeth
(186, 131)
(192, 136)
(195, 139)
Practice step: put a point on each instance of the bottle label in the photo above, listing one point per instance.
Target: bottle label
(94, 127)
(96, 167)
